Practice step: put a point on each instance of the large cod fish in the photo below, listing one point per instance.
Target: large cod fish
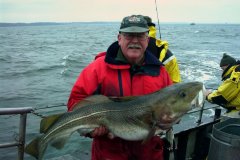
(131, 118)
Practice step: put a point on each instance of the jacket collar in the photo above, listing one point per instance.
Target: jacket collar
(150, 66)
(113, 58)
(228, 71)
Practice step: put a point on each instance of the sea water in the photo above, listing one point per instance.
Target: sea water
(39, 65)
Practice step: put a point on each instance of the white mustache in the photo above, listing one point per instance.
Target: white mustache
(134, 46)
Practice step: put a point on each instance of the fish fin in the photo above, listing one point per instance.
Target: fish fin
(47, 122)
(150, 134)
(59, 142)
(91, 100)
(153, 128)
(32, 148)
(122, 99)
(101, 99)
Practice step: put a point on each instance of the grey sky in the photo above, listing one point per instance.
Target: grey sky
(199, 11)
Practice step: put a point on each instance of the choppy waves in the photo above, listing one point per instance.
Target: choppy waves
(55, 55)
(39, 64)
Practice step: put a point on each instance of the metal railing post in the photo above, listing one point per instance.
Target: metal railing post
(22, 133)
(22, 128)
(200, 114)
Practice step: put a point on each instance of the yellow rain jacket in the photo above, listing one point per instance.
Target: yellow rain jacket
(228, 93)
(166, 57)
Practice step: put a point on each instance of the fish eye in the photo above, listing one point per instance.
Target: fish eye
(182, 94)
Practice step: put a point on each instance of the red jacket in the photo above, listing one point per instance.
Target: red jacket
(110, 77)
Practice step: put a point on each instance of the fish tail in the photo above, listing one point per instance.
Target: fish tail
(33, 148)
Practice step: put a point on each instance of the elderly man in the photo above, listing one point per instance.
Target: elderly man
(126, 69)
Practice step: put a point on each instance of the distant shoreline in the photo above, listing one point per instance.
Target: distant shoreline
(3, 24)
(29, 24)
(45, 23)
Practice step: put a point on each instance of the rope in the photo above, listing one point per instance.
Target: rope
(202, 109)
(38, 114)
(51, 106)
(158, 20)
(34, 112)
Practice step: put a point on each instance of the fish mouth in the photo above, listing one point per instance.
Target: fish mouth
(165, 126)
(199, 99)
(167, 123)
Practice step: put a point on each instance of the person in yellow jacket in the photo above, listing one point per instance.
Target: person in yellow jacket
(160, 49)
(228, 93)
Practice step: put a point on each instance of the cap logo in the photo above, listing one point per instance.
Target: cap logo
(134, 19)
(134, 24)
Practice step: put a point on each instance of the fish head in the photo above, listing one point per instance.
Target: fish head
(199, 100)
(174, 101)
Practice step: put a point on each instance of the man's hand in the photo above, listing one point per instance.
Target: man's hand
(206, 93)
(99, 131)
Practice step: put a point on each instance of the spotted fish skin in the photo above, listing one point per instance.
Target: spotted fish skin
(130, 118)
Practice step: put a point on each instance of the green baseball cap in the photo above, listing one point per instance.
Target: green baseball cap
(149, 21)
(134, 24)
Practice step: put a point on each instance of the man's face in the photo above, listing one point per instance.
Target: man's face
(133, 46)
(224, 67)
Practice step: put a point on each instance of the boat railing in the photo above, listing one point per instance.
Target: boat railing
(20, 142)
